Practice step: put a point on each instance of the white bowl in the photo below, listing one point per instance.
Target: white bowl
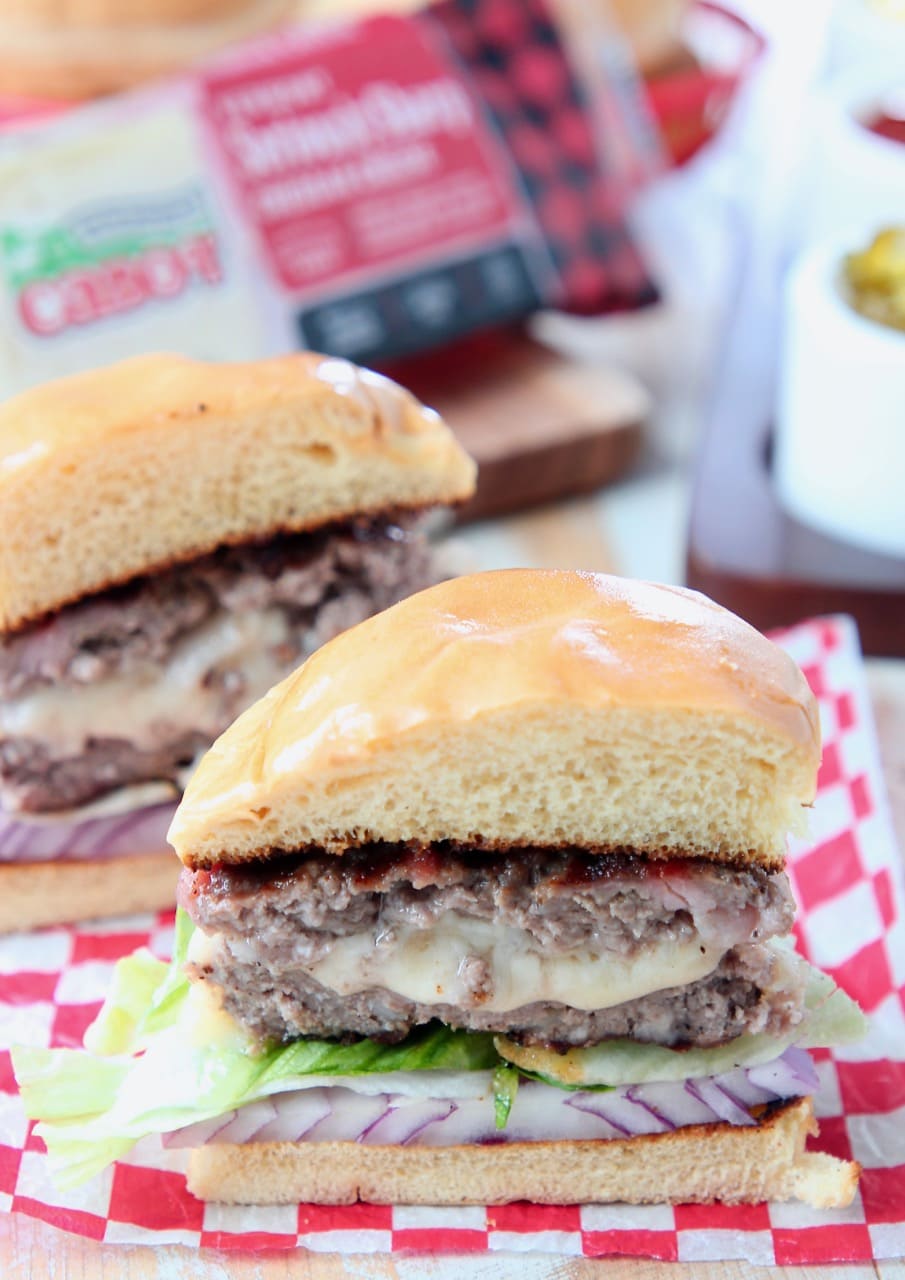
(854, 179)
(839, 459)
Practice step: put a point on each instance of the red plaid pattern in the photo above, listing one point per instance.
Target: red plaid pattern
(849, 884)
(513, 54)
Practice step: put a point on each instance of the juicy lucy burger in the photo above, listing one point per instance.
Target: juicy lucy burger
(175, 536)
(486, 902)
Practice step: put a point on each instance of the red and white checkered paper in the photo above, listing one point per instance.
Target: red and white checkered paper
(848, 880)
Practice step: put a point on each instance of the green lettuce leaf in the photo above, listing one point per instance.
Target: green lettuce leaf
(505, 1087)
(66, 1083)
(146, 996)
(434, 1048)
(832, 1018)
(157, 1060)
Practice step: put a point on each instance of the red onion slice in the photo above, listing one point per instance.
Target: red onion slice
(719, 1100)
(299, 1112)
(622, 1113)
(539, 1113)
(135, 833)
(794, 1066)
(199, 1133)
(349, 1117)
(408, 1122)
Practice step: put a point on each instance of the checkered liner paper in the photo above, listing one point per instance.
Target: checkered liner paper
(848, 881)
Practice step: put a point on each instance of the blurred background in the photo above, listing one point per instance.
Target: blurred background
(647, 256)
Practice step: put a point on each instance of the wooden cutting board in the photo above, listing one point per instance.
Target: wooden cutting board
(539, 425)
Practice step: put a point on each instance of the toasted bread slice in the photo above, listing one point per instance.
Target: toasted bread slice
(156, 460)
(700, 1164)
(33, 894)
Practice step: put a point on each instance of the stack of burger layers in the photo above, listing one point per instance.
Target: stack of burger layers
(485, 902)
(175, 537)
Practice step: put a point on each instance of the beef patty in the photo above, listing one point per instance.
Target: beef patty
(272, 925)
(115, 631)
(313, 584)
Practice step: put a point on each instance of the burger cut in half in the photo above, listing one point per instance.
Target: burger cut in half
(485, 903)
(175, 537)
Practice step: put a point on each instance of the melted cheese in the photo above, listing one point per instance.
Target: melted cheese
(144, 795)
(203, 1022)
(427, 965)
(140, 706)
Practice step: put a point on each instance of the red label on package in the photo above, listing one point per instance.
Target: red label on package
(370, 189)
(345, 161)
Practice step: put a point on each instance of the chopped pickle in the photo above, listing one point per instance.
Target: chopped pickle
(876, 279)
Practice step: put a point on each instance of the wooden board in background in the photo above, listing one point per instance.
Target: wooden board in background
(540, 426)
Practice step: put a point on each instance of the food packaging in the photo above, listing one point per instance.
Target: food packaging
(369, 188)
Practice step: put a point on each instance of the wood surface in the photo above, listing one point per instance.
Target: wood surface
(34, 1256)
(539, 426)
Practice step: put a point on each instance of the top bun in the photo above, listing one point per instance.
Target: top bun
(81, 48)
(522, 707)
(158, 459)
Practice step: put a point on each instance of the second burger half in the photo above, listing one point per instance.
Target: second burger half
(175, 537)
(486, 902)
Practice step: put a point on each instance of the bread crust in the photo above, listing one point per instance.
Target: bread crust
(33, 894)
(521, 708)
(390, 514)
(67, 14)
(699, 1164)
(740, 858)
(71, 49)
(120, 471)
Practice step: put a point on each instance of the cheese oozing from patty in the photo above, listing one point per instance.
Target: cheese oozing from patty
(476, 963)
(157, 702)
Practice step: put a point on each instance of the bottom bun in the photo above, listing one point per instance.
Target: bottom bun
(64, 892)
(699, 1164)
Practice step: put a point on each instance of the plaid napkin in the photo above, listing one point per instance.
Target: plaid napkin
(848, 881)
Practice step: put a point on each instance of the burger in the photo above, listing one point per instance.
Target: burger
(67, 50)
(175, 537)
(484, 903)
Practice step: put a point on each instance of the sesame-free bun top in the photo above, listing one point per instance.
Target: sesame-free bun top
(521, 707)
(82, 48)
(158, 459)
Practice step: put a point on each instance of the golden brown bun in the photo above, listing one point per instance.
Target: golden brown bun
(515, 708)
(123, 470)
(694, 1165)
(33, 894)
(71, 49)
(116, 13)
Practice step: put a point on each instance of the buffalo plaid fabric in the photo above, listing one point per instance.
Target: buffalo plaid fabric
(851, 922)
(512, 51)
